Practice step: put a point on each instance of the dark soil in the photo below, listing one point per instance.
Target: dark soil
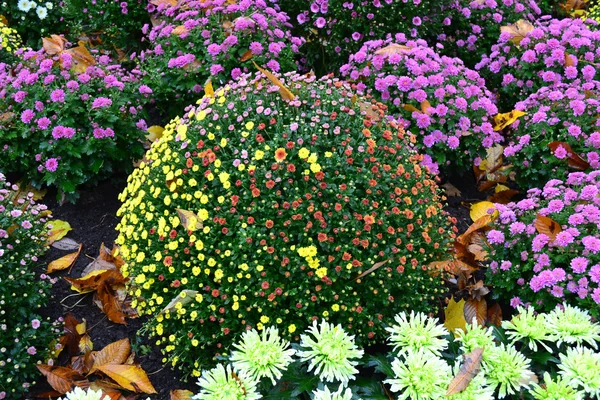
(93, 219)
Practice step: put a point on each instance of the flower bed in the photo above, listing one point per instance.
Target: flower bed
(549, 52)
(67, 125)
(24, 336)
(445, 105)
(559, 133)
(253, 210)
(211, 39)
(470, 29)
(546, 247)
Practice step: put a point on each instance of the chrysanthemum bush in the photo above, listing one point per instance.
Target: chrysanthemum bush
(545, 263)
(24, 336)
(254, 210)
(33, 19)
(65, 126)
(334, 29)
(559, 133)
(117, 24)
(554, 51)
(470, 29)
(425, 359)
(217, 40)
(444, 104)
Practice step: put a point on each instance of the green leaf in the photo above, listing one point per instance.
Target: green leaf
(369, 389)
(381, 364)
(305, 384)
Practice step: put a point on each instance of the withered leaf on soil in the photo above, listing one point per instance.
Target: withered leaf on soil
(66, 244)
(501, 121)
(475, 309)
(392, 49)
(503, 197)
(62, 379)
(494, 316)
(110, 294)
(246, 56)
(181, 394)
(63, 262)
(573, 159)
(468, 370)
(451, 190)
(285, 93)
(58, 231)
(373, 268)
(547, 226)
(518, 30)
(455, 316)
(114, 353)
(73, 332)
(130, 377)
(482, 208)
(481, 223)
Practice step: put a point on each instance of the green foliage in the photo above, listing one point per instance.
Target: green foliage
(66, 125)
(24, 336)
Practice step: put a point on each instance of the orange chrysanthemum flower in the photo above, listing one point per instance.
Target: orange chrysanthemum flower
(280, 154)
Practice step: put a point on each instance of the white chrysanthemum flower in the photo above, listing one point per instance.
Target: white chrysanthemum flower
(325, 394)
(572, 325)
(80, 394)
(507, 369)
(421, 376)
(417, 331)
(222, 383)
(49, 5)
(581, 368)
(24, 5)
(263, 354)
(42, 13)
(527, 325)
(476, 336)
(555, 390)
(330, 353)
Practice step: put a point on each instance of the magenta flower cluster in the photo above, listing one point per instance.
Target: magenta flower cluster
(554, 51)
(214, 39)
(563, 113)
(64, 125)
(446, 105)
(547, 266)
(337, 28)
(470, 28)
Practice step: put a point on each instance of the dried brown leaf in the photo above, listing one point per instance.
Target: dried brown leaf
(468, 370)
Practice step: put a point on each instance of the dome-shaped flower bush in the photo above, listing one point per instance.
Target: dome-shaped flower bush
(66, 125)
(470, 29)
(547, 247)
(213, 39)
(24, 335)
(530, 57)
(559, 133)
(334, 29)
(253, 210)
(443, 103)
